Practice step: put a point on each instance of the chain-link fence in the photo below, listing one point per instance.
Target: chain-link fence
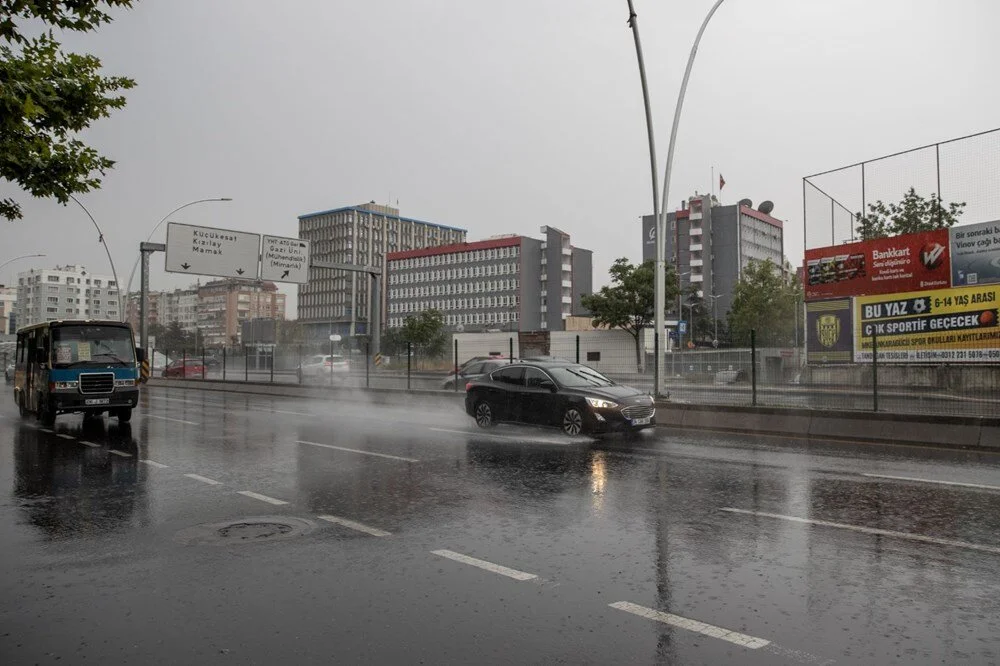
(758, 369)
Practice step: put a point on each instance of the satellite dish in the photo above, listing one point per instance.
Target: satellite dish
(746, 202)
(766, 207)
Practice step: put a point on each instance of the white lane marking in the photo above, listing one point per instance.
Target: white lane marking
(153, 463)
(120, 453)
(374, 531)
(285, 411)
(204, 479)
(262, 498)
(193, 403)
(980, 486)
(65, 436)
(526, 438)
(167, 418)
(90, 444)
(366, 453)
(483, 564)
(45, 429)
(870, 530)
(751, 642)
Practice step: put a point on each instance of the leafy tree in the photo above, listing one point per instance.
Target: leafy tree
(291, 332)
(698, 311)
(911, 215)
(47, 97)
(628, 302)
(766, 302)
(175, 339)
(425, 331)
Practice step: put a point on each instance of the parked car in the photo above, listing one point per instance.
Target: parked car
(473, 370)
(321, 366)
(189, 369)
(575, 398)
(8, 373)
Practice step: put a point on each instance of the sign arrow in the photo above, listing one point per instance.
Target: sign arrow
(239, 271)
(285, 274)
(185, 265)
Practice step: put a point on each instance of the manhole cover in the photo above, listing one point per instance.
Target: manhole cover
(245, 530)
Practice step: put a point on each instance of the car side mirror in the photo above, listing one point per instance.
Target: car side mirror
(140, 354)
(547, 384)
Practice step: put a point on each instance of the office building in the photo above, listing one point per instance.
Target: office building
(716, 243)
(8, 320)
(339, 301)
(65, 292)
(508, 283)
(167, 307)
(223, 306)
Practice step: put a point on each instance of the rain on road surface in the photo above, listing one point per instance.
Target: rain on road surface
(221, 528)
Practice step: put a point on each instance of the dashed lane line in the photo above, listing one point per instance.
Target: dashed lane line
(167, 418)
(204, 479)
(120, 453)
(64, 436)
(979, 486)
(483, 564)
(366, 453)
(153, 463)
(359, 527)
(745, 640)
(262, 498)
(90, 444)
(49, 430)
(526, 438)
(871, 530)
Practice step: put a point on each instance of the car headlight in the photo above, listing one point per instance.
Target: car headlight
(122, 383)
(598, 403)
(66, 386)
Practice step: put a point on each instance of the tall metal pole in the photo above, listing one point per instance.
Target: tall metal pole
(660, 269)
(144, 300)
(661, 222)
(114, 273)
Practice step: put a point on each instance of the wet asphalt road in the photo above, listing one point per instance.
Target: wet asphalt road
(143, 544)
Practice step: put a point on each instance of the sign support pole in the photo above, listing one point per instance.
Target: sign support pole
(145, 249)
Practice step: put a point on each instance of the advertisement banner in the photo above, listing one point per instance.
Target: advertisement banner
(941, 326)
(910, 262)
(975, 254)
(829, 332)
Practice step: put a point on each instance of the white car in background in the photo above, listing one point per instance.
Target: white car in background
(324, 366)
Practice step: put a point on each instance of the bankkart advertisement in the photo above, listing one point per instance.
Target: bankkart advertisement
(940, 326)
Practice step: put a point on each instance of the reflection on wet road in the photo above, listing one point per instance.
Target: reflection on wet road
(289, 531)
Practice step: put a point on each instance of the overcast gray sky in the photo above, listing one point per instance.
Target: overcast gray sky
(500, 117)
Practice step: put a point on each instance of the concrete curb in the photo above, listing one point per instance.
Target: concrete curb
(849, 426)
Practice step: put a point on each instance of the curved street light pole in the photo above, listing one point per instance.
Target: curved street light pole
(114, 273)
(661, 222)
(23, 256)
(131, 275)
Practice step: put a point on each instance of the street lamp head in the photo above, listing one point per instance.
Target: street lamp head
(225, 199)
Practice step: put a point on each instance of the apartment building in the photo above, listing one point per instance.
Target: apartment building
(339, 301)
(223, 306)
(503, 283)
(167, 307)
(8, 320)
(716, 243)
(65, 292)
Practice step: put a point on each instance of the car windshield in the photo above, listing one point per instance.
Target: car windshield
(578, 376)
(98, 345)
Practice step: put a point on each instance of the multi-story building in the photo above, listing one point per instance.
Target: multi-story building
(506, 283)
(223, 305)
(339, 301)
(8, 300)
(65, 292)
(167, 307)
(716, 243)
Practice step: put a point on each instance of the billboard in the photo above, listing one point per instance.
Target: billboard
(975, 254)
(910, 262)
(945, 325)
(830, 331)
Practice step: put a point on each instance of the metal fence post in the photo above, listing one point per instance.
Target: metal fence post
(203, 363)
(510, 358)
(223, 363)
(875, 371)
(184, 363)
(409, 355)
(272, 362)
(368, 358)
(246, 365)
(456, 366)
(331, 360)
(753, 364)
(298, 368)
(577, 348)
(656, 361)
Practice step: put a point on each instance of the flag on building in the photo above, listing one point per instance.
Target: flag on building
(722, 182)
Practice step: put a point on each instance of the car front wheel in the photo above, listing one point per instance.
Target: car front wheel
(572, 423)
(484, 415)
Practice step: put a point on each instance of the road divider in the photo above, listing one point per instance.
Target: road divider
(951, 543)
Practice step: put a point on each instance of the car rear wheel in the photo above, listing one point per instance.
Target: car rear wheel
(484, 415)
(572, 423)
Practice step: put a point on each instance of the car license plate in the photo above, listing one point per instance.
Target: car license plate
(639, 422)
(97, 401)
